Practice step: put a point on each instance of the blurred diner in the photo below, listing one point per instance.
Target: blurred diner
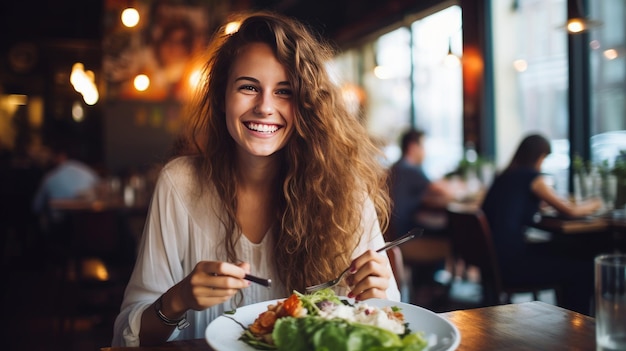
(511, 205)
(416, 198)
(418, 201)
(68, 178)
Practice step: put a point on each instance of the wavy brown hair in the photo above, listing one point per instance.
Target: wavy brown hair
(328, 167)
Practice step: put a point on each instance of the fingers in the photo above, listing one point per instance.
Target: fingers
(215, 268)
(211, 283)
(369, 277)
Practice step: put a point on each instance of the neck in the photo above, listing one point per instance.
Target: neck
(256, 171)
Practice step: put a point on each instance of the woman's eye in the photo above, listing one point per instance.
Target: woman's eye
(247, 88)
(286, 92)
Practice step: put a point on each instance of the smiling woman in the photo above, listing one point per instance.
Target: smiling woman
(259, 103)
(274, 144)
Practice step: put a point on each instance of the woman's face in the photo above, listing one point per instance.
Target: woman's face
(259, 102)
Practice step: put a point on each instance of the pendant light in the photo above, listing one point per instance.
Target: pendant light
(577, 21)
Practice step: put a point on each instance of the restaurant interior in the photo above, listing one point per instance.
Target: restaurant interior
(475, 75)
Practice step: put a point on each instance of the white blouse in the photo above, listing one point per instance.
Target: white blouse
(182, 229)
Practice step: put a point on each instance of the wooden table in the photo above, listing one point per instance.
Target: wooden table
(525, 326)
(574, 226)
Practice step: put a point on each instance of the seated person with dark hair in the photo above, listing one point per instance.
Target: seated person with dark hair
(411, 189)
(419, 202)
(510, 207)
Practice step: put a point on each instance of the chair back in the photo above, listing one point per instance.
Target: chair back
(472, 243)
(96, 233)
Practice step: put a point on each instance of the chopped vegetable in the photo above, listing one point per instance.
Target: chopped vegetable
(321, 321)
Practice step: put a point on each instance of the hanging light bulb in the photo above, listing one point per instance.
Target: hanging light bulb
(130, 17)
(578, 21)
(451, 60)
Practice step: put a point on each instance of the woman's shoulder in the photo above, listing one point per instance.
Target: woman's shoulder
(520, 173)
(182, 171)
(182, 165)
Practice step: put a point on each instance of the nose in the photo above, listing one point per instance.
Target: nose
(265, 104)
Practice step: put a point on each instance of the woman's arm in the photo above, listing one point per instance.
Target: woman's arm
(546, 193)
(210, 283)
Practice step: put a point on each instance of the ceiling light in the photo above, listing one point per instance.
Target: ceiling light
(577, 20)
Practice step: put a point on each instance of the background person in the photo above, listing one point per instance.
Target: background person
(418, 201)
(68, 178)
(285, 185)
(412, 190)
(510, 206)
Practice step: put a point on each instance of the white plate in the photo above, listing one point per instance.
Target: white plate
(223, 333)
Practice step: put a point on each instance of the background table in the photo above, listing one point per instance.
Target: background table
(525, 326)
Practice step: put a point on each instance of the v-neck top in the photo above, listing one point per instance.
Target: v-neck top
(183, 228)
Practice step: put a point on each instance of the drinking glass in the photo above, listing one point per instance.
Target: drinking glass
(610, 191)
(610, 291)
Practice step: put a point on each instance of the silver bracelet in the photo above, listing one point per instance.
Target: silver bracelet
(180, 324)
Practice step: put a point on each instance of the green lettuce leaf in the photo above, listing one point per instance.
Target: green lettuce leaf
(313, 333)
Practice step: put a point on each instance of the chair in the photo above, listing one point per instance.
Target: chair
(472, 245)
(416, 261)
(400, 272)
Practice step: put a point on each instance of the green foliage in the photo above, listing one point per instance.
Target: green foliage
(619, 168)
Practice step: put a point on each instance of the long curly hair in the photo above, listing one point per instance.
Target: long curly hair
(329, 167)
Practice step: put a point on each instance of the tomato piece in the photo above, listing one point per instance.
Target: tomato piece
(292, 305)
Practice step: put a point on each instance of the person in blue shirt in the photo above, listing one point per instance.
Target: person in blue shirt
(69, 178)
(511, 205)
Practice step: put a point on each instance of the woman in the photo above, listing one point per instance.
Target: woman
(510, 207)
(285, 186)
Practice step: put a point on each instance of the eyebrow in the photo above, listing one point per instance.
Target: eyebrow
(257, 81)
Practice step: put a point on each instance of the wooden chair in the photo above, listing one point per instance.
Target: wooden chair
(472, 244)
(400, 272)
(414, 256)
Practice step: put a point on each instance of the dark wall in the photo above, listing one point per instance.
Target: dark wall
(139, 135)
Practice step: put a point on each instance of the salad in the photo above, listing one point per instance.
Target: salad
(321, 321)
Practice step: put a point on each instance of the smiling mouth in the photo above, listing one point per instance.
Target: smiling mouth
(262, 128)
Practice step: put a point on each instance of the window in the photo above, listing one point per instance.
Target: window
(531, 80)
(607, 45)
(407, 82)
(532, 86)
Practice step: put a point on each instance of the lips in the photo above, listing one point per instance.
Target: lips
(262, 128)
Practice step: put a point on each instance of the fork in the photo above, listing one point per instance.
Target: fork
(415, 232)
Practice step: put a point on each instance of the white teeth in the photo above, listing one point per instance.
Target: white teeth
(263, 128)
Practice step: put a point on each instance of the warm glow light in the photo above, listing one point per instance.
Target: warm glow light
(232, 27)
(17, 99)
(84, 83)
(141, 82)
(95, 268)
(451, 60)
(576, 25)
(194, 79)
(611, 54)
(382, 72)
(78, 114)
(520, 65)
(130, 17)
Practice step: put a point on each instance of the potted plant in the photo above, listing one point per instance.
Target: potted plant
(619, 170)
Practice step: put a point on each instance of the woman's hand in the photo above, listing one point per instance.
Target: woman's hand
(369, 276)
(211, 283)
